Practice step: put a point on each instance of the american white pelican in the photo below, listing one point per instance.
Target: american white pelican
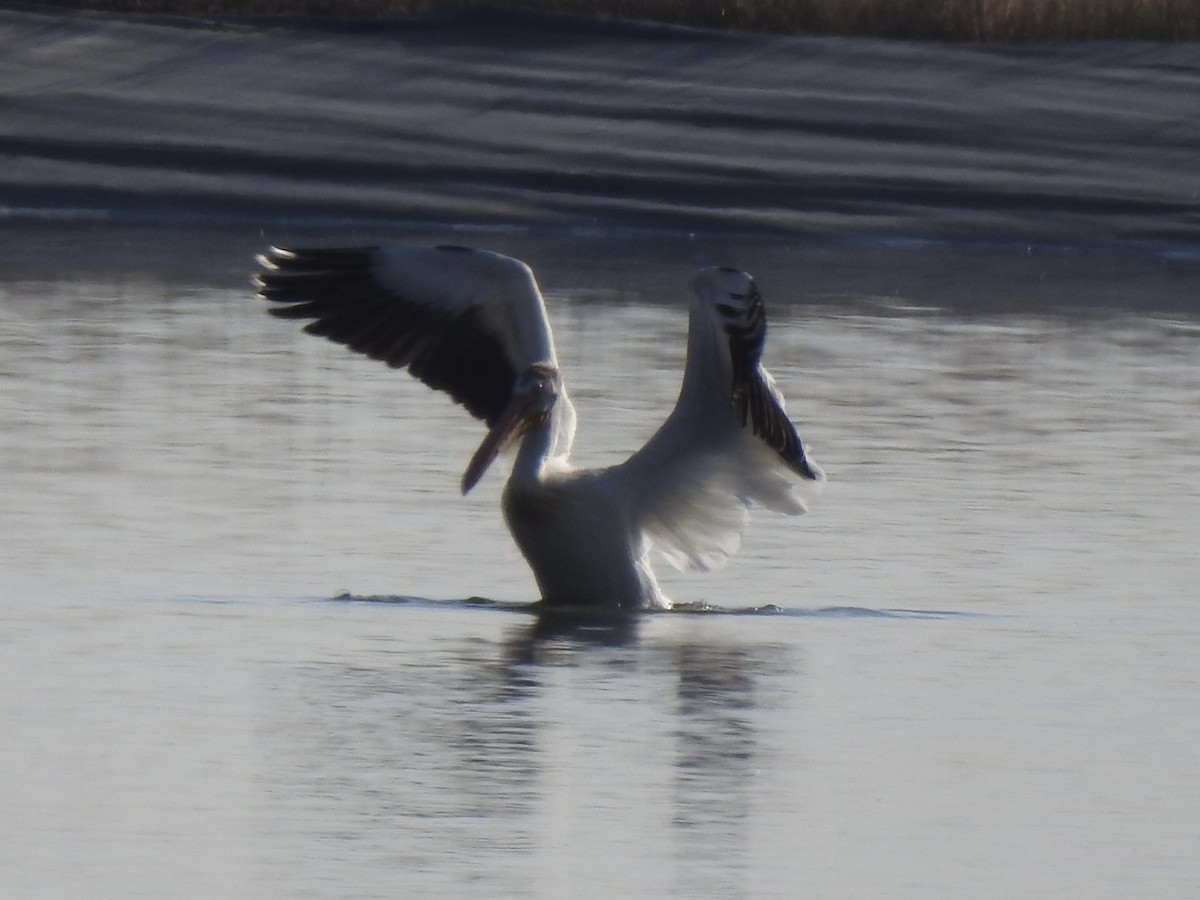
(473, 324)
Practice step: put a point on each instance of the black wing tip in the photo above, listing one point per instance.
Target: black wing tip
(806, 469)
(772, 425)
(291, 275)
(310, 259)
(752, 400)
(338, 291)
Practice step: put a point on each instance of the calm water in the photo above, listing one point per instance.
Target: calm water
(983, 679)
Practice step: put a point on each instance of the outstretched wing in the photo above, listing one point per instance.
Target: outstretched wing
(463, 321)
(728, 441)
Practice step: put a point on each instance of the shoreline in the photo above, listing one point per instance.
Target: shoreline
(181, 144)
(973, 21)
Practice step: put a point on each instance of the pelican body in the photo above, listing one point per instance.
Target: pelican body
(473, 324)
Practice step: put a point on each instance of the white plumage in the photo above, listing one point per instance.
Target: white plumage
(474, 324)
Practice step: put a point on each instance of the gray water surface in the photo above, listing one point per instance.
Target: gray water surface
(980, 678)
(238, 652)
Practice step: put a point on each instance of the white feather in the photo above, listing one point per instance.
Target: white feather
(690, 488)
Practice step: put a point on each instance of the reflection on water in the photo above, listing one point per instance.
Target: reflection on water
(408, 765)
(553, 626)
(494, 760)
(715, 765)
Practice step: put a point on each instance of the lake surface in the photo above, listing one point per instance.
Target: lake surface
(981, 677)
(242, 640)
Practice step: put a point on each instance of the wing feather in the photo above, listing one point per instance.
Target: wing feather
(754, 396)
(727, 444)
(463, 321)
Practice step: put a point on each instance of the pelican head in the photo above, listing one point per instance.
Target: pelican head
(534, 394)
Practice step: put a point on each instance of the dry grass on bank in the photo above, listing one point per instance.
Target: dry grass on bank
(947, 20)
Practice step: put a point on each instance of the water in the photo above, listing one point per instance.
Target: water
(236, 645)
(980, 678)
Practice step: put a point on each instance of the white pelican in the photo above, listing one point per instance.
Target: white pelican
(473, 324)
